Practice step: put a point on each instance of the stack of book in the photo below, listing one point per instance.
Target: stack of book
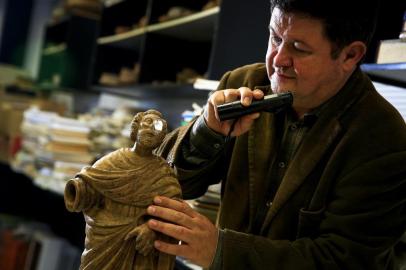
(52, 137)
(68, 140)
(55, 148)
(52, 148)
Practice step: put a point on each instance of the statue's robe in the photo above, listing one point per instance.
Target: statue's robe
(113, 195)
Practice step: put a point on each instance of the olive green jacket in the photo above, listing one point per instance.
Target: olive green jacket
(341, 204)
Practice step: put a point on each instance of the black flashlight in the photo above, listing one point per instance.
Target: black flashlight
(270, 103)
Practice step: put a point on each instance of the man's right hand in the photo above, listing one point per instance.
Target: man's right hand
(244, 123)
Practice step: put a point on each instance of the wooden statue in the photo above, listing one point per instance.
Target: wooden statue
(113, 195)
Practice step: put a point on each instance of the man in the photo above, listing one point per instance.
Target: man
(319, 186)
(114, 194)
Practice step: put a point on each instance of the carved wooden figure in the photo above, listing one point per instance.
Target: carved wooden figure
(113, 195)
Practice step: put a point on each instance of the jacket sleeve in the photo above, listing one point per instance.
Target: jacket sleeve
(196, 153)
(360, 224)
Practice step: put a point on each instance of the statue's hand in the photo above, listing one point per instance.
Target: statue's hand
(145, 238)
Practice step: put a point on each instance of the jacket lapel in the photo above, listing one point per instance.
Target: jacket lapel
(307, 157)
(322, 135)
(259, 158)
(260, 142)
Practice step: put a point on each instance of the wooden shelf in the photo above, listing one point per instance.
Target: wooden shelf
(195, 27)
(129, 40)
(110, 3)
(54, 49)
(147, 91)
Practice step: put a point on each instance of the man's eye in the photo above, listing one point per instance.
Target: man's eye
(299, 47)
(276, 40)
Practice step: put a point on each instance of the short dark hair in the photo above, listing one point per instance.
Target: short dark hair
(345, 21)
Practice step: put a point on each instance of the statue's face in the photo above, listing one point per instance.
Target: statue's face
(151, 131)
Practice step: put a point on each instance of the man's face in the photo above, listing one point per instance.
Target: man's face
(299, 60)
(151, 131)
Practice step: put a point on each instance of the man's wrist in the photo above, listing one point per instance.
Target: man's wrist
(204, 139)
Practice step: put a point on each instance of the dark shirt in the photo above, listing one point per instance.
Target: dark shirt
(290, 133)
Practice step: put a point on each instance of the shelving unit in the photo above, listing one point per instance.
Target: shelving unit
(144, 45)
(197, 27)
(131, 33)
(200, 41)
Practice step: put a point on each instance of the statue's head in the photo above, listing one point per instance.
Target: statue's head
(148, 129)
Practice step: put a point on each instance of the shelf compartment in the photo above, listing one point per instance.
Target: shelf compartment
(196, 27)
(125, 14)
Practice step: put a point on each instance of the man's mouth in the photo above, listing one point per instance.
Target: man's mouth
(285, 75)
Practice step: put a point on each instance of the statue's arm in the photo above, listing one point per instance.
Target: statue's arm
(80, 196)
(145, 238)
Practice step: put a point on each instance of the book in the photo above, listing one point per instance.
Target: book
(58, 147)
(70, 140)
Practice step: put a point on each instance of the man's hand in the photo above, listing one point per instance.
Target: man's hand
(145, 238)
(244, 123)
(197, 234)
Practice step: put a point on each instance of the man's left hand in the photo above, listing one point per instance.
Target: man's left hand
(197, 234)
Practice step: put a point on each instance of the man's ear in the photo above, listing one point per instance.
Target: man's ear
(352, 54)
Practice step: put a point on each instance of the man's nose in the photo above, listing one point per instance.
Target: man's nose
(282, 56)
